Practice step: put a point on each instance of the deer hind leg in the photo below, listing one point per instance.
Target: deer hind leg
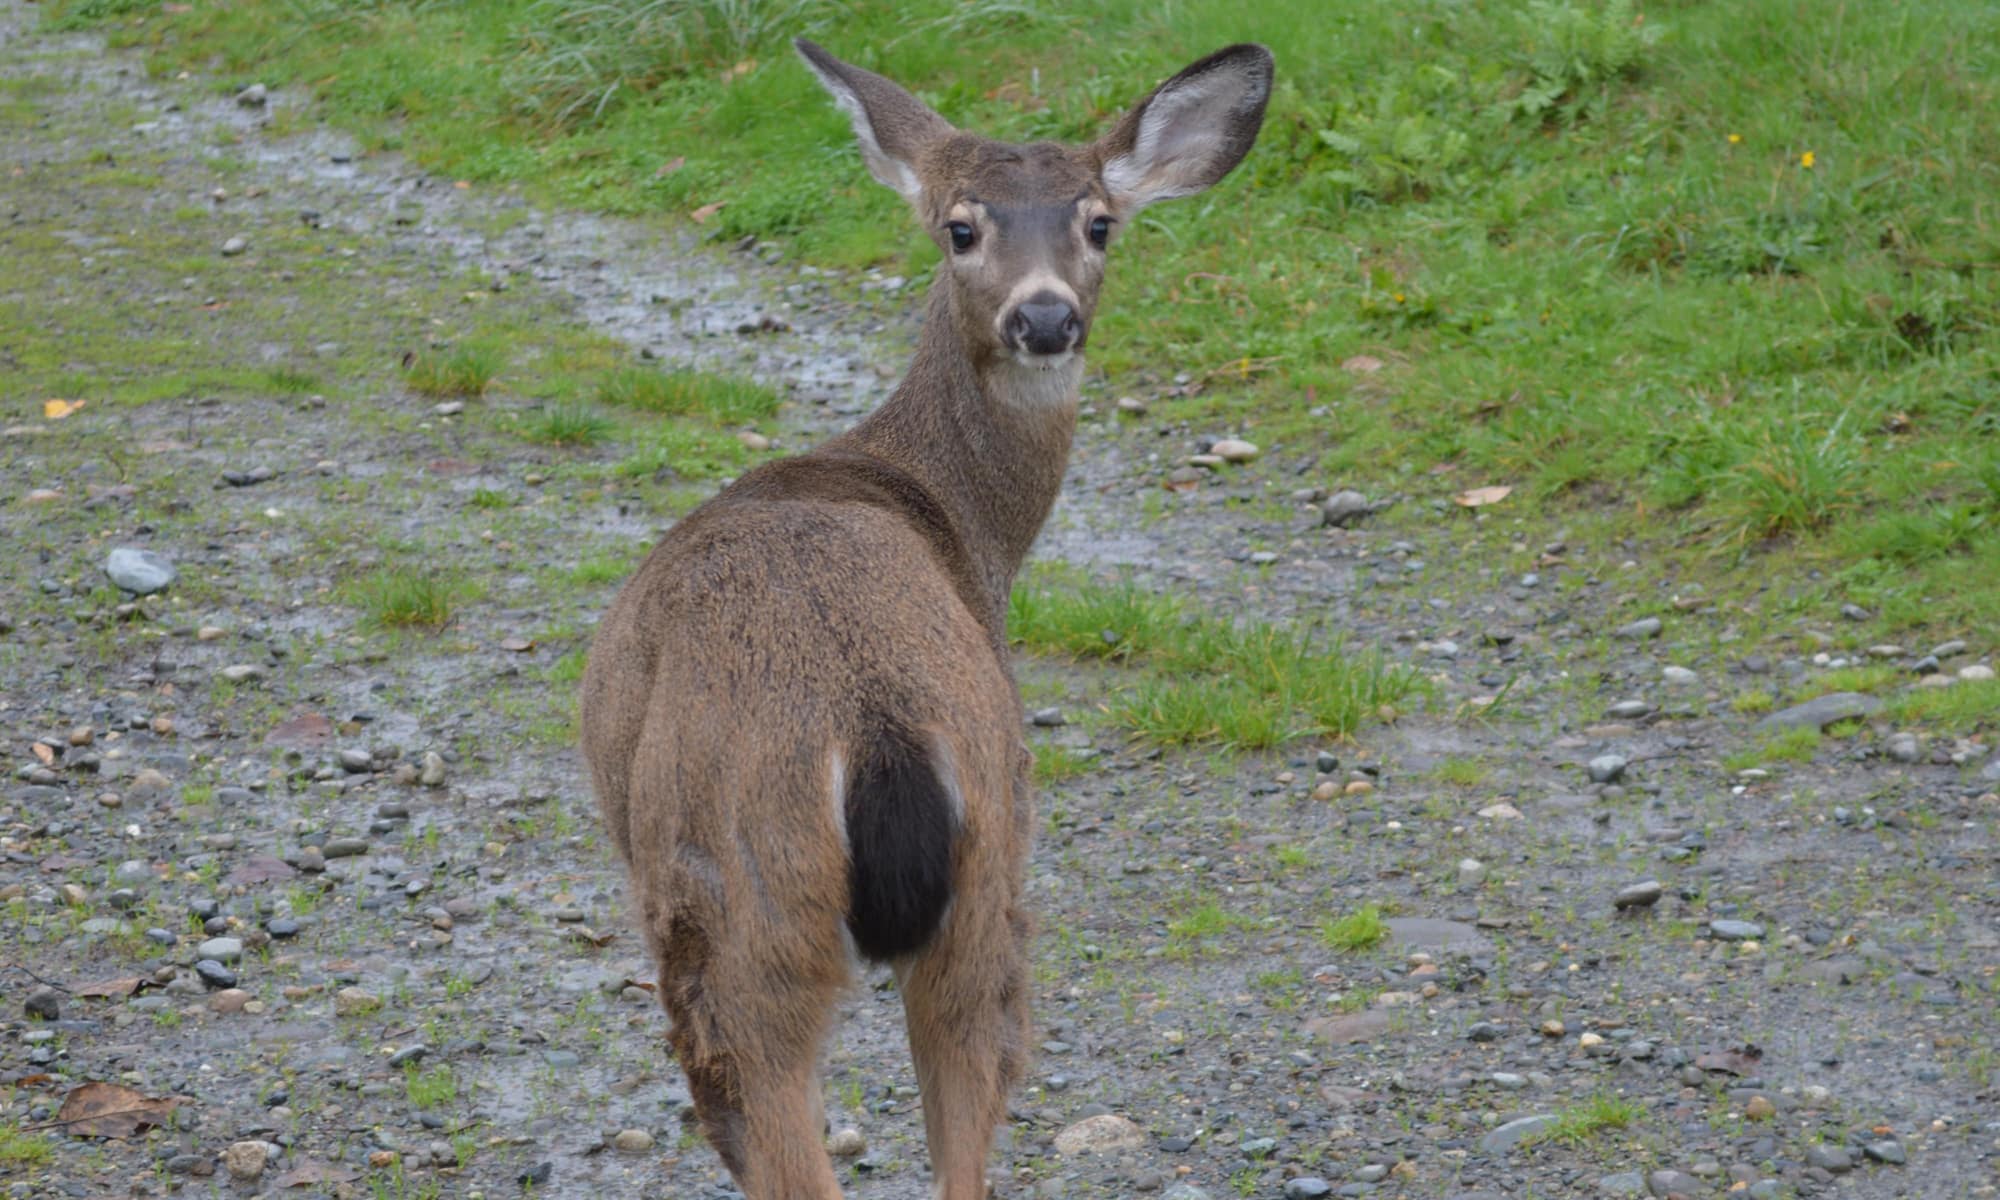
(965, 999)
(751, 1055)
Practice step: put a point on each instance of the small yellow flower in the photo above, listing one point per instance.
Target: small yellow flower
(1735, 138)
(1806, 160)
(1399, 297)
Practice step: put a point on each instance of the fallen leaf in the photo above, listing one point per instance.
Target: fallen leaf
(56, 410)
(671, 165)
(111, 987)
(518, 645)
(462, 184)
(1483, 495)
(702, 214)
(739, 70)
(644, 985)
(56, 863)
(584, 933)
(1362, 364)
(111, 1110)
(46, 755)
(303, 732)
(261, 868)
(311, 1173)
(1737, 1060)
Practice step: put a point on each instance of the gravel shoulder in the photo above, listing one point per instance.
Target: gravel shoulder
(338, 891)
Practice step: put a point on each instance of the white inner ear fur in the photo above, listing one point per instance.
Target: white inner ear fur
(1176, 146)
(891, 172)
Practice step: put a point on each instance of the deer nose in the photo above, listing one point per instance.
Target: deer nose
(1045, 325)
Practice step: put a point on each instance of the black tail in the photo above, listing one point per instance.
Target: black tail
(900, 830)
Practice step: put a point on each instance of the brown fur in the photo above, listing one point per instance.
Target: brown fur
(762, 646)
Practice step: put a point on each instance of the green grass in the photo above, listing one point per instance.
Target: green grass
(1058, 764)
(23, 1149)
(1201, 926)
(1963, 707)
(1586, 236)
(407, 597)
(429, 1088)
(1461, 772)
(1204, 679)
(568, 423)
(466, 370)
(1602, 1112)
(723, 399)
(1793, 745)
(1361, 929)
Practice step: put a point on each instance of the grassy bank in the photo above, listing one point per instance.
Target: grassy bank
(1724, 275)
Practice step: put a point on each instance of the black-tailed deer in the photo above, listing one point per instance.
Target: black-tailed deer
(799, 714)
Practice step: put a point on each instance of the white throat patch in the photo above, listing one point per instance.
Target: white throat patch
(1021, 381)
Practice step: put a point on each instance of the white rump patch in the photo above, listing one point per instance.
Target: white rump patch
(836, 772)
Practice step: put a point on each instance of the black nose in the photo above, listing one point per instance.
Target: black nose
(1045, 326)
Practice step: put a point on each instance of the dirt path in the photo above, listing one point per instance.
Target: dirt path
(385, 839)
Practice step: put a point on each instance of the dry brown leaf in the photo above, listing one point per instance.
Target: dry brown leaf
(56, 410)
(1362, 364)
(111, 1110)
(584, 933)
(303, 732)
(46, 755)
(313, 1173)
(1483, 495)
(702, 214)
(671, 165)
(111, 987)
(261, 868)
(1736, 1060)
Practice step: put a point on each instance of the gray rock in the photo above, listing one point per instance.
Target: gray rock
(1505, 1137)
(1644, 627)
(1904, 748)
(253, 96)
(140, 572)
(344, 847)
(1679, 676)
(431, 774)
(1343, 509)
(1736, 931)
(44, 1002)
(1674, 1183)
(1435, 936)
(356, 762)
(1188, 1191)
(1629, 710)
(241, 673)
(214, 974)
(1887, 1150)
(1639, 895)
(1372, 1173)
(1828, 1158)
(1048, 718)
(1307, 1187)
(847, 1143)
(1821, 711)
(221, 949)
(409, 1054)
(1625, 1183)
(1606, 768)
(234, 246)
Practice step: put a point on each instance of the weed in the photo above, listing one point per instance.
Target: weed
(464, 370)
(722, 399)
(1577, 1123)
(569, 423)
(429, 1088)
(1960, 708)
(489, 498)
(1058, 764)
(1793, 745)
(407, 597)
(1361, 929)
(23, 1149)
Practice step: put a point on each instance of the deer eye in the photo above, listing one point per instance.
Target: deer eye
(961, 236)
(1100, 231)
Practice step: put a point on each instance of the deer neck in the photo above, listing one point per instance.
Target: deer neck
(989, 440)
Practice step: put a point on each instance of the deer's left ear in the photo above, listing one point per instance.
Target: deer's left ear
(1190, 132)
(892, 126)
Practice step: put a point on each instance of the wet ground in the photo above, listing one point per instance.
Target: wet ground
(425, 983)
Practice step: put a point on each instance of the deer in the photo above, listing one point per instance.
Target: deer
(799, 714)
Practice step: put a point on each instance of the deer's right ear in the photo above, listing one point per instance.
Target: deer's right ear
(1190, 132)
(892, 126)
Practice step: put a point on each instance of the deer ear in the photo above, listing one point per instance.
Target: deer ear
(1190, 132)
(892, 126)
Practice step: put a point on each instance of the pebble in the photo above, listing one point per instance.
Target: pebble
(1502, 811)
(344, 847)
(1048, 718)
(1638, 895)
(1513, 1133)
(1307, 1187)
(1234, 450)
(847, 1143)
(140, 572)
(44, 1002)
(353, 1002)
(632, 1141)
(1343, 509)
(1106, 1133)
(1607, 768)
(1736, 931)
(229, 1000)
(1629, 710)
(1976, 673)
(1821, 711)
(234, 246)
(253, 96)
(409, 1054)
(1904, 748)
(1887, 1150)
(431, 774)
(214, 974)
(1644, 627)
(222, 949)
(1828, 1158)
(356, 762)
(1675, 1183)
(1679, 676)
(245, 1161)
(1471, 872)
(1760, 1108)
(1625, 1183)
(282, 927)
(241, 673)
